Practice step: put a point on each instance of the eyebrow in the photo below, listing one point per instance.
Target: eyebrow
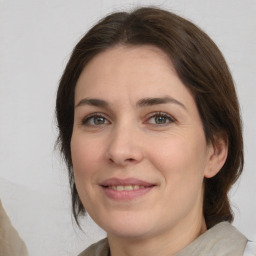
(92, 102)
(157, 101)
(141, 103)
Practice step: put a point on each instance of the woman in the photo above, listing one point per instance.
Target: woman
(150, 129)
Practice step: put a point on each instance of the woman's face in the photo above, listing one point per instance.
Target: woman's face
(138, 147)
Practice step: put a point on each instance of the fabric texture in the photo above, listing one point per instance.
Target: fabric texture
(100, 248)
(221, 240)
(10, 242)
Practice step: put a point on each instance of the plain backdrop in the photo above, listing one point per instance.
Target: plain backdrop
(36, 39)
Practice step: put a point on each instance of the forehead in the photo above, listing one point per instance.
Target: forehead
(136, 71)
(128, 58)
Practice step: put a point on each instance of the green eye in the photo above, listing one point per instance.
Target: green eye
(98, 120)
(95, 120)
(160, 119)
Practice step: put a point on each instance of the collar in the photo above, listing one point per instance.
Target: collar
(221, 240)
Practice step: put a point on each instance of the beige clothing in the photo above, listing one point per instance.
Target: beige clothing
(100, 248)
(221, 240)
(10, 242)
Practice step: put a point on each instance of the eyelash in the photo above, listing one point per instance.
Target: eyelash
(162, 115)
(93, 116)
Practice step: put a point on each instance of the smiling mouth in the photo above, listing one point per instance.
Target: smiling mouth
(126, 187)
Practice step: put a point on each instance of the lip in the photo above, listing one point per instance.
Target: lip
(124, 195)
(125, 182)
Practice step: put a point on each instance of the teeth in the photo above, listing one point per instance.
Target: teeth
(126, 188)
(120, 188)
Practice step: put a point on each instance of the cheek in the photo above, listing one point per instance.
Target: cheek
(85, 157)
(86, 164)
(181, 161)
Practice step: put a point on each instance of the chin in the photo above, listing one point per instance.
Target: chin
(128, 226)
(129, 233)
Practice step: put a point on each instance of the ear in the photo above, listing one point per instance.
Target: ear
(218, 152)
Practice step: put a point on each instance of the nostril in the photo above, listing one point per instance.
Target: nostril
(111, 160)
(129, 160)
(120, 161)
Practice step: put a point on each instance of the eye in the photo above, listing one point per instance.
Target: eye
(160, 119)
(95, 120)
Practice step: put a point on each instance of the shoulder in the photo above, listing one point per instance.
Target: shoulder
(221, 239)
(250, 249)
(100, 248)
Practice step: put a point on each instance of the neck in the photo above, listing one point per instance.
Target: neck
(166, 244)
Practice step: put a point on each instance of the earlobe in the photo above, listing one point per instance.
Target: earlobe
(218, 155)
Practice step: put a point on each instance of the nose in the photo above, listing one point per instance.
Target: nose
(124, 146)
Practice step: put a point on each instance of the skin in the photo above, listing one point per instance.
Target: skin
(163, 144)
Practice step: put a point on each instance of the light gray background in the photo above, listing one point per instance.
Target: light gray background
(37, 37)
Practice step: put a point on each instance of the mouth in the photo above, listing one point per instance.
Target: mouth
(126, 189)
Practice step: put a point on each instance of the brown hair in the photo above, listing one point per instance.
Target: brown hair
(200, 66)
